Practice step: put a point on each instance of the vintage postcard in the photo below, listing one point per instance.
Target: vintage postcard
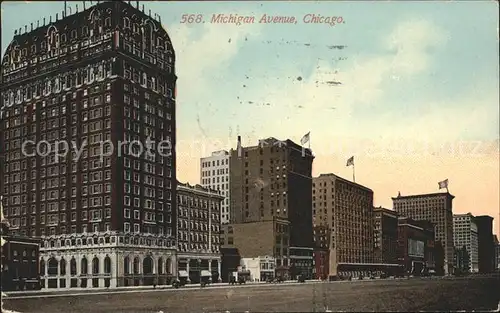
(249, 156)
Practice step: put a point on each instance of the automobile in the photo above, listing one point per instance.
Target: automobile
(241, 280)
(232, 280)
(301, 279)
(178, 283)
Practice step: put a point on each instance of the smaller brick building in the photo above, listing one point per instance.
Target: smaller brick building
(257, 239)
(19, 262)
(416, 246)
(321, 236)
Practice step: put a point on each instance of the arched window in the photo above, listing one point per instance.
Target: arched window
(42, 267)
(126, 22)
(84, 266)
(53, 265)
(136, 265)
(95, 265)
(62, 267)
(147, 265)
(72, 267)
(126, 265)
(168, 266)
(107, 265)
(160, 266)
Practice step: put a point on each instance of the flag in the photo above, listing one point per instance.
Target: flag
(350, 161)
(305, 138)
(443, 184)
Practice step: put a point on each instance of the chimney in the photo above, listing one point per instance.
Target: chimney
(31, 26)
(239, 147)
(44, 21)
(57, 16)
(25, 28)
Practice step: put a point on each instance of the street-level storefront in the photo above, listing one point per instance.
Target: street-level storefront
(301, 262)
(199, 267)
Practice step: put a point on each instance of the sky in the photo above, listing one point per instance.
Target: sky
(413, 94)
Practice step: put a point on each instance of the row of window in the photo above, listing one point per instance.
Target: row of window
(215, 163)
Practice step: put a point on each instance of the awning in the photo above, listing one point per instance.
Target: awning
(206, 273)
(183, 274)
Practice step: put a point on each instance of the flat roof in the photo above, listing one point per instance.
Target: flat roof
(424, 195)
(326, 175)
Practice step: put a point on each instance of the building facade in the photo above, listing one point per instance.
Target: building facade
(19, 262)
(214, 174)
(385, 233)
(465, 234)
(497, 254)
(261, 268)
(346, 209)
(273, 180)
(96, 80)
(266, 238)
(416, 246)
(486, 246)
(322, 235)
(462, 260)
(436, 208)
(198, 231)
(230, 259)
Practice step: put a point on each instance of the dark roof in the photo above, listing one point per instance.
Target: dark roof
(343, 180)
(424, 195)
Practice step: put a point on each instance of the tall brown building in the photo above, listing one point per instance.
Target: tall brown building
(436, 208)
(198, 232)
(385, 236)
(485, 243)
(346, 208)
(273, 181)
(105, 213)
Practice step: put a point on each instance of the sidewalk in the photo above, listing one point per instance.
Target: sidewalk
(102, 290)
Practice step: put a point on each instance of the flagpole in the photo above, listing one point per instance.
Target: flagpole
(353, 173)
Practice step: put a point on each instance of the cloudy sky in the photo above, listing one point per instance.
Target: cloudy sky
(415, 99)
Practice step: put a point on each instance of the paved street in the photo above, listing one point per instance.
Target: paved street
(480, 293)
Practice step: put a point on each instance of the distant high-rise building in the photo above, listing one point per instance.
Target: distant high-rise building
(436, 208)
(385, 233)
(272, 180)
(486, 246)
(214, 174)
(99, 76)
(346, 208)
(465, 234)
